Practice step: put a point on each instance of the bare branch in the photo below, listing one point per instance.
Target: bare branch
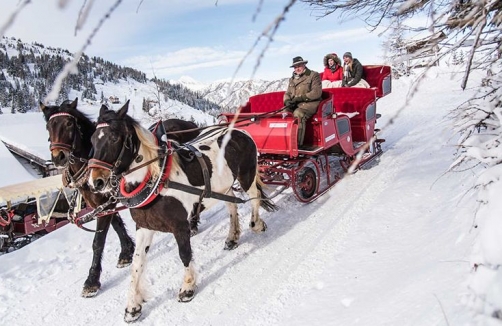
(72, 65)
(12, 17)
(82, 14)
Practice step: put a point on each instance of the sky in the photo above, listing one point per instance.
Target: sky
(389, 245)
(205, 40)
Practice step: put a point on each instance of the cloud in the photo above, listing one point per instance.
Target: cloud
(204, 39)
(185, 60)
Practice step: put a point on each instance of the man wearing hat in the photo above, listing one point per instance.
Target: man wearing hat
(353, 72)
(303, 94)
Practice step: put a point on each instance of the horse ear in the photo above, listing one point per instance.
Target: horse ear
(74, 103)
(123, 110)
(42, 106)
(102, 110)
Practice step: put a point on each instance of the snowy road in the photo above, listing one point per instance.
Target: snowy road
(387, 246)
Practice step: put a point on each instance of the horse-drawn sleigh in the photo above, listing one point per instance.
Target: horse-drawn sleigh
(31, 209)
(342, 133)
(166, 181)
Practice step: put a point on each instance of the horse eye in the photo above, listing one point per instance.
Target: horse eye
(69, 123)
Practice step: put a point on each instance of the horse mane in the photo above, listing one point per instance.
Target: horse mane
(149, 148)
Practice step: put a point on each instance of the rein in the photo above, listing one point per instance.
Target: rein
(163, 180)
(226, 124)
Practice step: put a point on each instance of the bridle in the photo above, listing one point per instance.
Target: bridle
(127, 144)
(78, 178)
(64, 146)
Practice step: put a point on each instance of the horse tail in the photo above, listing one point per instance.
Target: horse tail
(265, 202)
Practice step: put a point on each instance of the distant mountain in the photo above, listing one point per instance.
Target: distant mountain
(189, 83)
(229, 96)
(28, 71)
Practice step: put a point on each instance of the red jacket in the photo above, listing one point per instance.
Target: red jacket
(332, 76)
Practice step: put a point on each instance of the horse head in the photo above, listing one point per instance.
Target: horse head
(115, 146)
(66, 126)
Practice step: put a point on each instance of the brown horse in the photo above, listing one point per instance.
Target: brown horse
(127, 154)
(70, 134)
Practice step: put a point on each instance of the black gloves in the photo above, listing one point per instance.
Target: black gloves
(295, 100)
(288, 103)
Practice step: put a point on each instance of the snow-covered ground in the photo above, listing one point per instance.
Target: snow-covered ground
(388, 245)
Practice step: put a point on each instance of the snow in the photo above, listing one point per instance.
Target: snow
(14, 168)
(389, 245)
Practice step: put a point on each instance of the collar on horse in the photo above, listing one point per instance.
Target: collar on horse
(149, 188)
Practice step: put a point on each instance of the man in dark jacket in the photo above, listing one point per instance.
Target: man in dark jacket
(303, 94)
(353, 73)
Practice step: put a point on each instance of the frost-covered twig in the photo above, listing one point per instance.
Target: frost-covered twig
(83, 14)
(71, 66)
(12, 17)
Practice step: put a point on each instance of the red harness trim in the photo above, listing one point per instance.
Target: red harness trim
(133, 193)
(60, 114)
(60, 145)
(155, 193)
(94, 163)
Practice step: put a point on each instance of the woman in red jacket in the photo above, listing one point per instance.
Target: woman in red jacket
(333, 71)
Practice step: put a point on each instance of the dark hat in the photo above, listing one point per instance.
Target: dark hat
(297, 61)
(347, 54)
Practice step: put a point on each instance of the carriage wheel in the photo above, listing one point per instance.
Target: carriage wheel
(306, 184)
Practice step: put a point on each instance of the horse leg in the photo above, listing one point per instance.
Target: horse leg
(194, 219)
(256, 224)
(92, 284)
(126, 243)
(187, 291)
(234, 232)
(136, 295)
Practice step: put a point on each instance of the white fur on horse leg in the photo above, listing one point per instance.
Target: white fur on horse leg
(187, 291)
(234, 231)
(136, 293)
(256, 224)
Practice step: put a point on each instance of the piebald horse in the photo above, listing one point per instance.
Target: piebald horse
(127, 157)
(70, 134)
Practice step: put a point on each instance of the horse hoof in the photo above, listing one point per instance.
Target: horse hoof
(186, 296)
(133, 315)
(230, 245)
(255, 227)
(90, 291)
(124, 263)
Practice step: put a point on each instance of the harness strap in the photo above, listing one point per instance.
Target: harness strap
(205, 172)
(60, 145)
(199, 192)
(94, 163)
(76, 180)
